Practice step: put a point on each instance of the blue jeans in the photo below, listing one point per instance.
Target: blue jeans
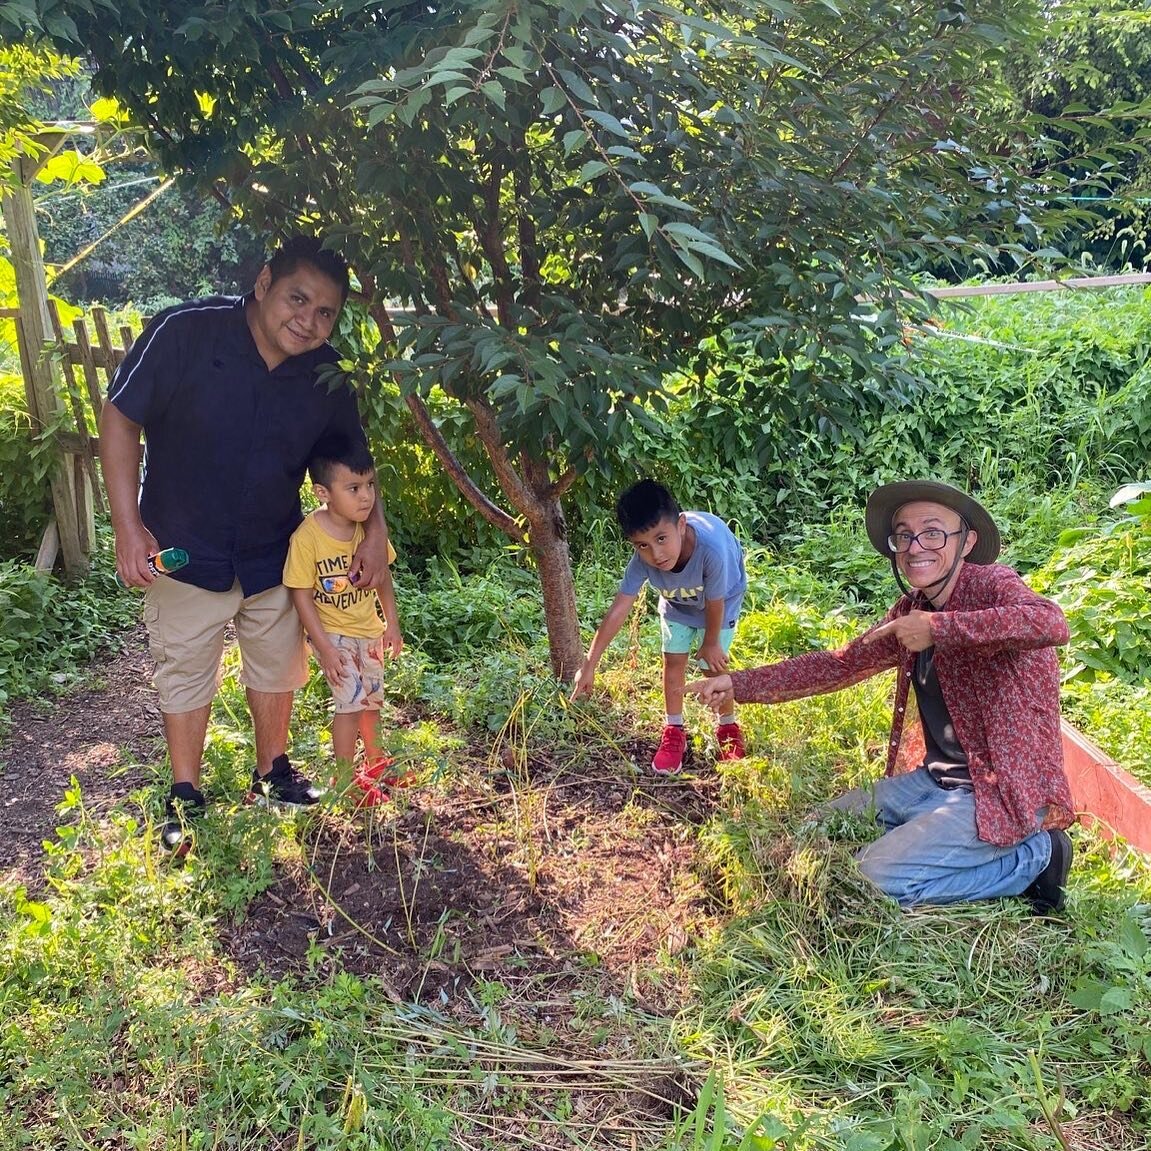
(930, 852)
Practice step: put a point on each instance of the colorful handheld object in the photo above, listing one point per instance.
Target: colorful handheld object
(163, 563)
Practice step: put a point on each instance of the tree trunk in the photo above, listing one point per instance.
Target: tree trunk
(548, 544)
(534, 495)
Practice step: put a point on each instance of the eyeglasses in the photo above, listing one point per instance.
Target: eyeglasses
(932, 540)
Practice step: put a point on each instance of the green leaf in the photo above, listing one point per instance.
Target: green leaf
(592, 169)
(552, 100)
(71, 167)
(574, 139)
(494, 91)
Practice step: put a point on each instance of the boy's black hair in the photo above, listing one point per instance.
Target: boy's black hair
(299, 249)
(337, 449)
(643, 506)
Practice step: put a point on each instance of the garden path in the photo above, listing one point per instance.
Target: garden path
(102, 734)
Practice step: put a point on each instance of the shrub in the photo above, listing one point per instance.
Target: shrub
(1101, 583)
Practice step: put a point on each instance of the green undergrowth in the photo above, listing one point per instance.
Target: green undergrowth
(49, 630)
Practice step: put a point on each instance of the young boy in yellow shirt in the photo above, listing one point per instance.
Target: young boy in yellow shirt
(344, 625)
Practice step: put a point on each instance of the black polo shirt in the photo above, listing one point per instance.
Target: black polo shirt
(226, 441)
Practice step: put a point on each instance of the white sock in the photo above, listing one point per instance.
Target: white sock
(676, 720)
(726, 719)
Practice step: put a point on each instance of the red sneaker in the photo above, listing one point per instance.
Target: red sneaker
(730, 740)
(380, 769)
(383, 772)
(371, 797)
(668, 758)
(373, 781)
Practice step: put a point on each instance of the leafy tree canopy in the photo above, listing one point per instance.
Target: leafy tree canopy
(1089, 80)
(551, 202)
(569, 191)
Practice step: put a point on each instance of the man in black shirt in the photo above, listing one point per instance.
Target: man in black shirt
(227, 395)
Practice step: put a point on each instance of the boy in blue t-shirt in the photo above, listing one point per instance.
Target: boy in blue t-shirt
(696, 565)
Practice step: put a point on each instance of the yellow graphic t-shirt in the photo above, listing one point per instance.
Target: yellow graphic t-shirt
(318, 561)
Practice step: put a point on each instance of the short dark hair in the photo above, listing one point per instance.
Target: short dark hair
(300, 249)
(643, 506)
(334, 450)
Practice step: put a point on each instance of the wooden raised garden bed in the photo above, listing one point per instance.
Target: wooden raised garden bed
(1105, 795)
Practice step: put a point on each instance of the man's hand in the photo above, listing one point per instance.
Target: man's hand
(913, 631)
(712, 656)
(711, 692)
(369, 565)
(134, 544)
(584, 681)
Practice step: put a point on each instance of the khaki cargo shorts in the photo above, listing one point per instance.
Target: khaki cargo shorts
(186, 627)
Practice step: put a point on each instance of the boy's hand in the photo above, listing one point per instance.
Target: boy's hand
(584, 681)
(711, 692)
(713, 657)
(393, 640)
(331, 664)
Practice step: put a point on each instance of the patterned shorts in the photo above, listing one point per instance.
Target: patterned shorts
(362, 688)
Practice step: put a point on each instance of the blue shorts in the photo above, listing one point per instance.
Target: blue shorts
(680, 638)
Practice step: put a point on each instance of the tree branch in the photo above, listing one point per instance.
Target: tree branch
(433, 437)
(519, 493)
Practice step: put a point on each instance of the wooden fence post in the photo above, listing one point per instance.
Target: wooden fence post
(71, 486)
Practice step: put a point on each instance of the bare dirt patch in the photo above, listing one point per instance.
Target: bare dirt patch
(540, 874)
(578, 868)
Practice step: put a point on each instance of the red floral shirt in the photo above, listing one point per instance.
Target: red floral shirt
(999, 675)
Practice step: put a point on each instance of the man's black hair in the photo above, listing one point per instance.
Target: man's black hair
(297, 250)
(334, 450)
(643, 506)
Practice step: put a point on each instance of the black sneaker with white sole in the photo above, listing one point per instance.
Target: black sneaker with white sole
(283, 786)
(182, 811)
(1048, 891)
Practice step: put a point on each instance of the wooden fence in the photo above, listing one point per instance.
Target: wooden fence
(87, 355)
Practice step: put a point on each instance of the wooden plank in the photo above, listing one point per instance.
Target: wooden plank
(84, 451)
(86, 489)
(100, 322)
(88, 364)
(1073, 283)
(31, 285)
(1109, 797)
(49, 547)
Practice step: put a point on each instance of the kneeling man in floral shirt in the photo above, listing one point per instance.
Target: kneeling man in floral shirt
(983, 813)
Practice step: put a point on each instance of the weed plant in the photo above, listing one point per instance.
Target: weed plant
(24, 466)
(1101, 583)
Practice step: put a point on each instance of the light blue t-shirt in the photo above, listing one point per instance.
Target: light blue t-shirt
(715, 571)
